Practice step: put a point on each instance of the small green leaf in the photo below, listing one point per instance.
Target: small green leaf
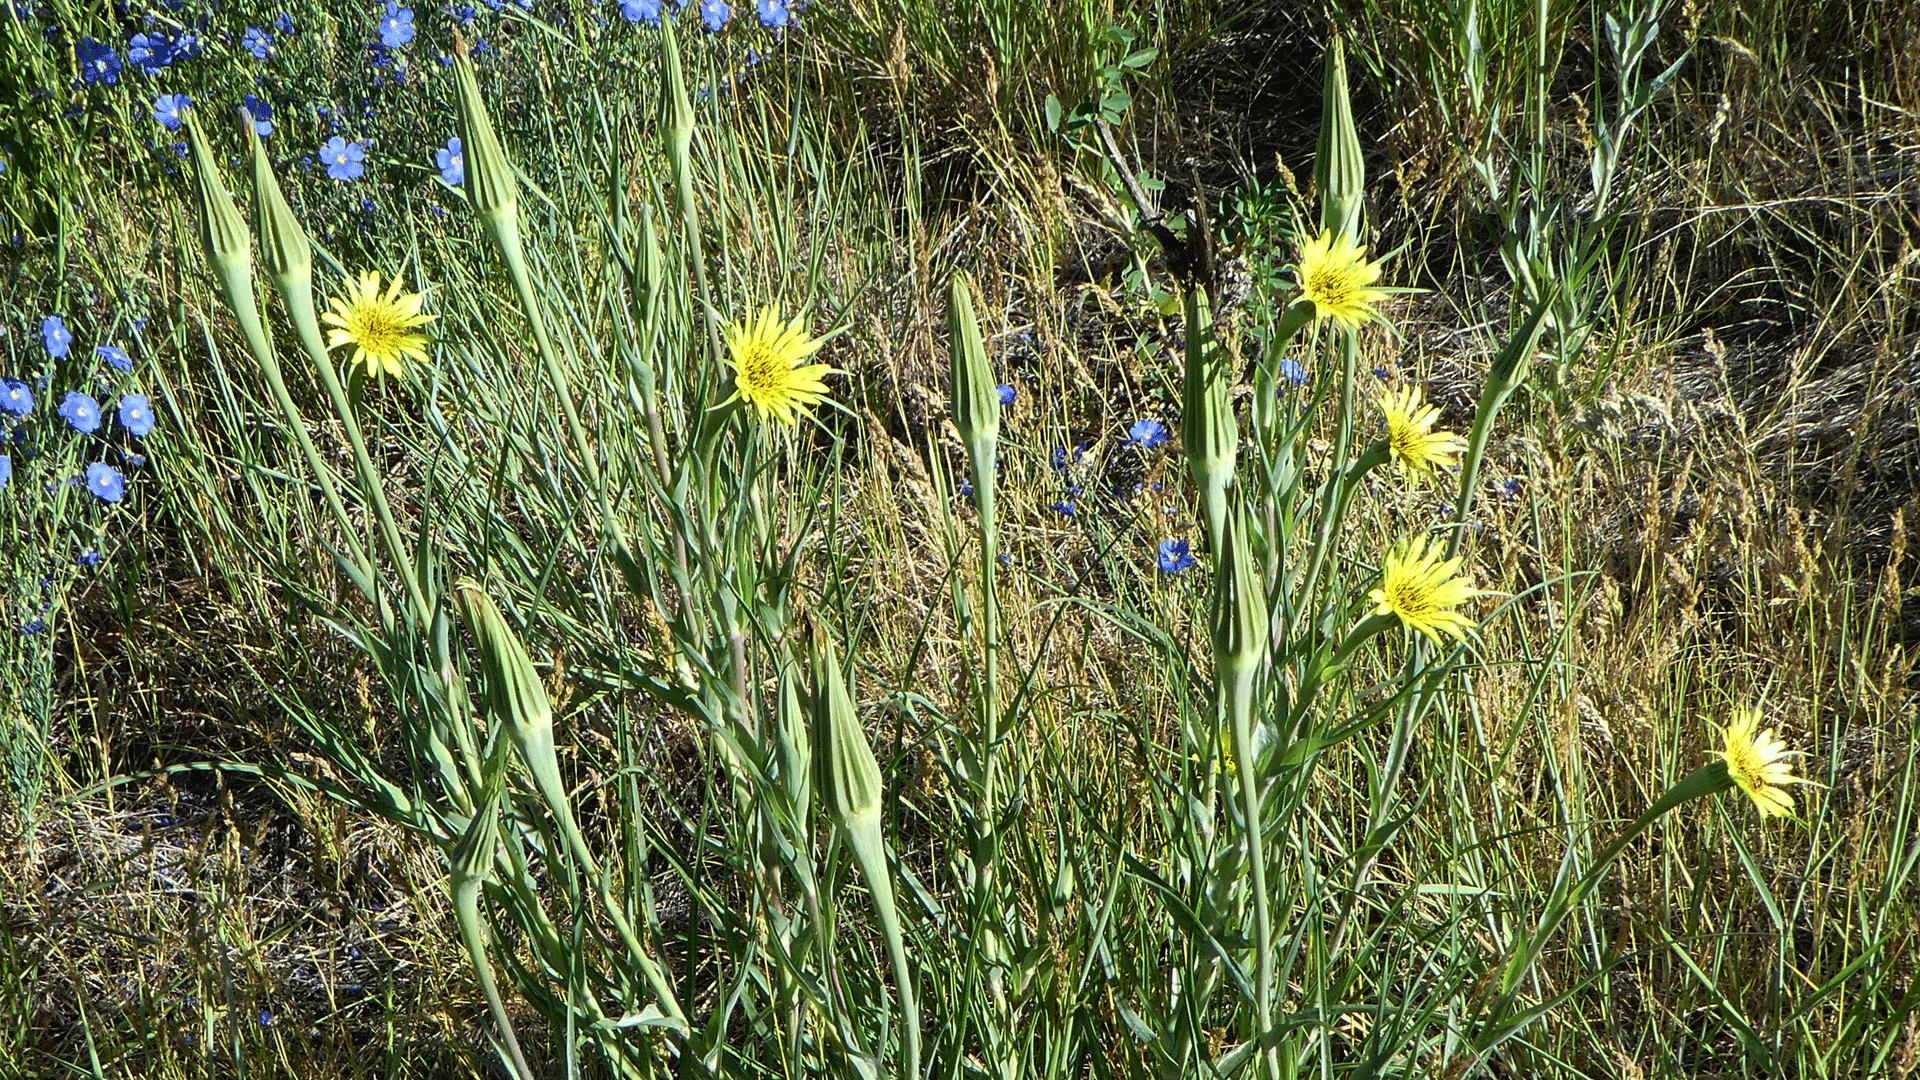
(1054, 110)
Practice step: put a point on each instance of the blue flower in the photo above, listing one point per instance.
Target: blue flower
(81, 411)
(453, 167)
(15, 398)
(283, 22)
(463, 14)
(1511, 488)
(170, 109)
(105, 482)
(98, 63)
(134, 461)
(343, 158)
(187, 47)
(646, 11)
(89, 557)
(1380, 373)
(136, 415)
(1064, 506)
(1291, 371)
(116, 356)
(1007, 393)
(716, 13)
(6, 470)
(149, 52)
(262, 114)
(55, 336)
(774, 14)
(257, 42)
(397, 28)
(1175, 556)
(1147, 433)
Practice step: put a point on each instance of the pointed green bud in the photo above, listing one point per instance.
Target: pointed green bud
(796, 742)
(283, 243)
(976, 397)
(850, 776)
(1338, 170)
(1207, 428)
(1239, 605)
(491, 185)
(514, 692)
(223, 233)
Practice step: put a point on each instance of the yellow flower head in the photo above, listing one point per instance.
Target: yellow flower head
(768, 375)
(1334, 273)
(379, 326)
(1759, 763)
(1418, 449)
(1420, 587)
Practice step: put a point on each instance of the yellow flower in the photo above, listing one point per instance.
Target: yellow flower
(1418, 449)
(1419, 586)
(1334, 273)
(768, 374)
(1759, 763)
(380, 327)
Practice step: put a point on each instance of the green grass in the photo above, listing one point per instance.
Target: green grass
(239, 779)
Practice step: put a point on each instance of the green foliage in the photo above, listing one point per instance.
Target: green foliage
(697, 714)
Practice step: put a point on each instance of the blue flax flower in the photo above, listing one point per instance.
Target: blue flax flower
(344, 159)
(81, 411)
(6, 470)
(1175, 556)
(169, 110)
(55, 336)
(136, 415)
(646, 11)
(283, 22)
(450, 162)
(257, 42)
(89, 557)
(116, 356)
(149, 52)
(98, 62)
(1147, 433)
(262, 114)
(774, 14)
(1291, 371)
(1007, 393)
(1064, 506)
(397, 28)
(15, 398)
(716, 13)
(105, 482)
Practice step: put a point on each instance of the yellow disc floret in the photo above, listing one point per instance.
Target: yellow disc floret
(1759, 763)
(1421, 587)
(1417, 448)
(766, 355)
(380, 327)
(1334, 273)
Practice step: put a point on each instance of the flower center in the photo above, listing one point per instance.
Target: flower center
(1330, 287)
(1746, 768)
(376, 331)
(760, 370)
(1410, 600)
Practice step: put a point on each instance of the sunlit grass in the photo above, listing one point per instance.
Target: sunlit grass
(1643, 570)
